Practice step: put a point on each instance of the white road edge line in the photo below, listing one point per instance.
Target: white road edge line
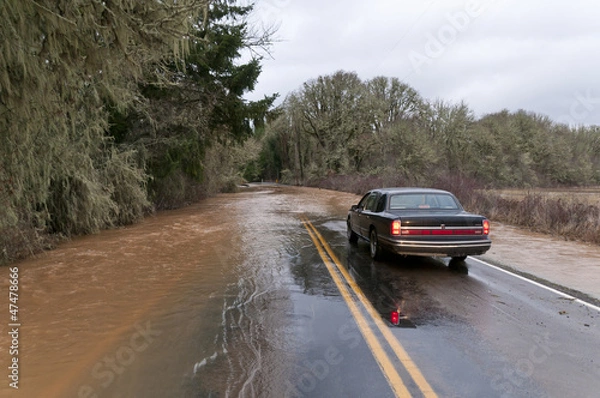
(567, 296)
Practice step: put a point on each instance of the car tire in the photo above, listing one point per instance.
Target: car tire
(352, 237)
(459, 258)
(374, 247)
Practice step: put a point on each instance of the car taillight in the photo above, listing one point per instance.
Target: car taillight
(486, 227)
(395, 317)
(396, 224)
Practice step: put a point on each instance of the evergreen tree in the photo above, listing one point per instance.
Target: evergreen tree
(202, 106)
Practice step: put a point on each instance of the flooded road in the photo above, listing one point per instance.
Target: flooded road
(231, 297)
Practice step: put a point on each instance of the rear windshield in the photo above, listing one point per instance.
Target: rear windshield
(414, 201)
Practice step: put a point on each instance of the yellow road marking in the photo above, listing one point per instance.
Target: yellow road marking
(389, 371)
(400, 352)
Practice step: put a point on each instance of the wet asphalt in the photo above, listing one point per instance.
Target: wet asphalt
(475, 330)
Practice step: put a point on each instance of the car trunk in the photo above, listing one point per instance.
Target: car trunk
(444, 226)
(447, 218)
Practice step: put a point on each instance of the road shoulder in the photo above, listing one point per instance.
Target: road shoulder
(572, 267)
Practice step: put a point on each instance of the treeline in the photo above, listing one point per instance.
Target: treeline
(339, 130)
(111, 109)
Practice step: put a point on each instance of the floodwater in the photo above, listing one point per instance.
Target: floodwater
(173, 306)
(206, 301)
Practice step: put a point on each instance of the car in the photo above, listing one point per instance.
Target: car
(417, 222)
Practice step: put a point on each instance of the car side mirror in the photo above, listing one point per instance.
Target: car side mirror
(353, 207)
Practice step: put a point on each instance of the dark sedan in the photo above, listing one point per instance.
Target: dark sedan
(417, 222)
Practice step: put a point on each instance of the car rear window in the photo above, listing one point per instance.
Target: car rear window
(414, 201)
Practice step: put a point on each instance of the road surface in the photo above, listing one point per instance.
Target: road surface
(259, 294)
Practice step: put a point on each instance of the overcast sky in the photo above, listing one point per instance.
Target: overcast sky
(541, 56)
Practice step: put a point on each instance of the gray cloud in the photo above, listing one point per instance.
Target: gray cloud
(493, 54)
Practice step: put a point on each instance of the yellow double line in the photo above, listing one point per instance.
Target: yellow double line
(382, 359)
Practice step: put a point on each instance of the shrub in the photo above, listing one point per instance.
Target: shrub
(568, 219)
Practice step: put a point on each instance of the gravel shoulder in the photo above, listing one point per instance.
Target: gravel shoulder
(571, 267)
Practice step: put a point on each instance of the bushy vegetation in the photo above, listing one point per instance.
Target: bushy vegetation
(111, 109)
(340, 125)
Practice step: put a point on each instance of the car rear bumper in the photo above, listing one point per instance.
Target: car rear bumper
(437, 248)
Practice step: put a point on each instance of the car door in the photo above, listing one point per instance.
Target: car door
(366, 212)
(355, 216)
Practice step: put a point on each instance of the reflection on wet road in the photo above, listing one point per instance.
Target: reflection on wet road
(386, 365)
(231, 298)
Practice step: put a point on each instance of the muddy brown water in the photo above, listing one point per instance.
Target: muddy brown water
(173, 306)
(97, 312)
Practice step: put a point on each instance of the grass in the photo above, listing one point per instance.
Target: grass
(584, 195)
(550, 213)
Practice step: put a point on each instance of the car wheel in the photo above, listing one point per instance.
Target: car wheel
(374, 245)
(352, 237)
